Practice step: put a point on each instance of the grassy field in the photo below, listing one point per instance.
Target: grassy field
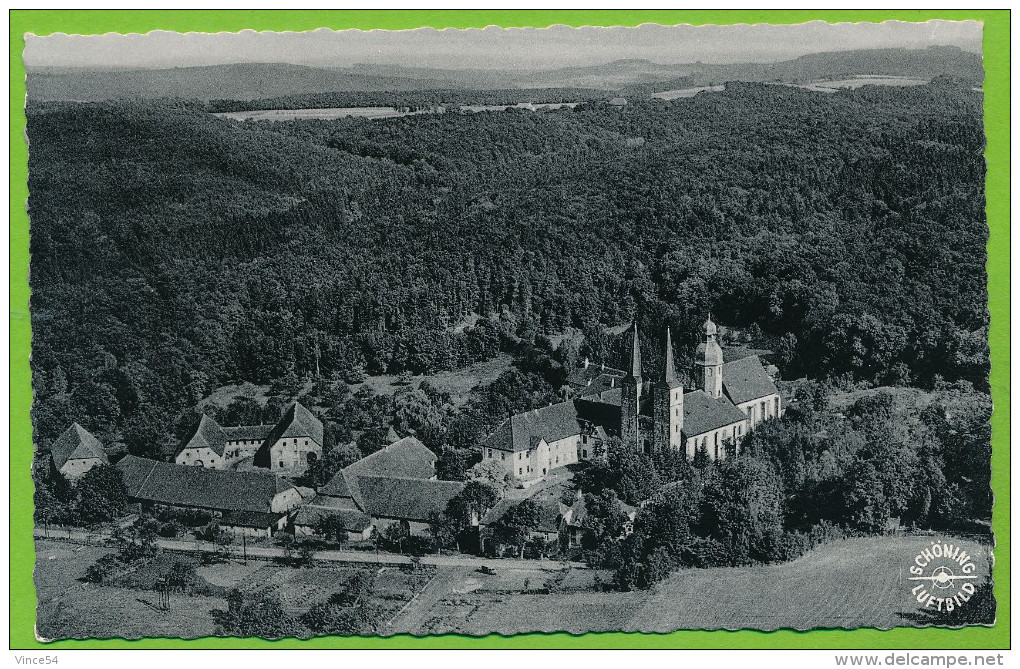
(70, 608)
(458, 383)
(855, 583)
(849, 584)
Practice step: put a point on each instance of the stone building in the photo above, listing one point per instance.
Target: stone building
(76, 451)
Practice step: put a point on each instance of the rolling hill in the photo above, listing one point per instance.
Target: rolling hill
(249, 81)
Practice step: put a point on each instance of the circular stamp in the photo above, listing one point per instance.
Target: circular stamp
(944, 576)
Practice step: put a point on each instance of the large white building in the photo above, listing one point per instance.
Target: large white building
(729, 400)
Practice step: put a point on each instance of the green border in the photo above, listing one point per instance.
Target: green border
(22, 555)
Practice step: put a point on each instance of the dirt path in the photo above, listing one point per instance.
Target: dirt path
(414, 615)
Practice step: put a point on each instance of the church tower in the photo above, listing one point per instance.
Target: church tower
(668, 405)
(630, 406)
(708, 361)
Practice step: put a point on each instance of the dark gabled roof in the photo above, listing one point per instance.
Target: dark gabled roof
(76, 443)
(406, 499)
(260, 520)
(579, 511)
(216, 489)
(600, 384)
(407, 458)
(209, 435)
(549, 513)
(343, 487)
(338, 503)
(582, 377)
(353, 520)
(552, 423)
(134, 470)
(745, 380)
(703, 413)
(248, 432)
(297, 421)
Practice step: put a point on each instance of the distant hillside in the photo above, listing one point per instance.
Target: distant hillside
(916, 63)
(240, 81)
(250, 81)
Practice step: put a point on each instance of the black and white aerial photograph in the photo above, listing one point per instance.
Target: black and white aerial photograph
(509, 330)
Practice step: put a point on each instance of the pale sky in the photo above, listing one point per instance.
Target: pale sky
(492, 47)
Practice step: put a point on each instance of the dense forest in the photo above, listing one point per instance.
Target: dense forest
(174, 251)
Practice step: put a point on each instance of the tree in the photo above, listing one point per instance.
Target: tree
(101, 495)
(137, 541)
(443, 529)
(515, 526)
(491, 472)
(332, 528)
(603, 525)
(395, 534)
(452, 464)
(261, 617)
(742, 505)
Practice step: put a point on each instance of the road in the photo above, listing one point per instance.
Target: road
(362, 557)
(414, 615)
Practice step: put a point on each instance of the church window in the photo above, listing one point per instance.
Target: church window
(490, 452)
(777, 406)
(584, 453)
(520, 471)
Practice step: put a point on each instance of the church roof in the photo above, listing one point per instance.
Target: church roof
(635, 355)
(704, 413)
(668, 377)
(601, 384)
(745, 380)
(76, 443)
(407, 458)
(585, 377)
(209, 435)
(552, 423)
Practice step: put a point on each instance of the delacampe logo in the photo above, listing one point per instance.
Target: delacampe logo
(945, 576)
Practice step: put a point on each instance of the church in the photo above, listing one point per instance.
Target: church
(648, 415)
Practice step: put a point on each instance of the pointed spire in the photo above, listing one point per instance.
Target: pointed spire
(668, 369)
(635, 360)
(710, 328)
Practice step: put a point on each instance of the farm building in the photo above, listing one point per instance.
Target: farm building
(286, 446)
(76, 451)
(306, 521)
(293, 443)
(150, 482)
(253, 524)
(550, 519)
(573, 520)
(395, 484)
